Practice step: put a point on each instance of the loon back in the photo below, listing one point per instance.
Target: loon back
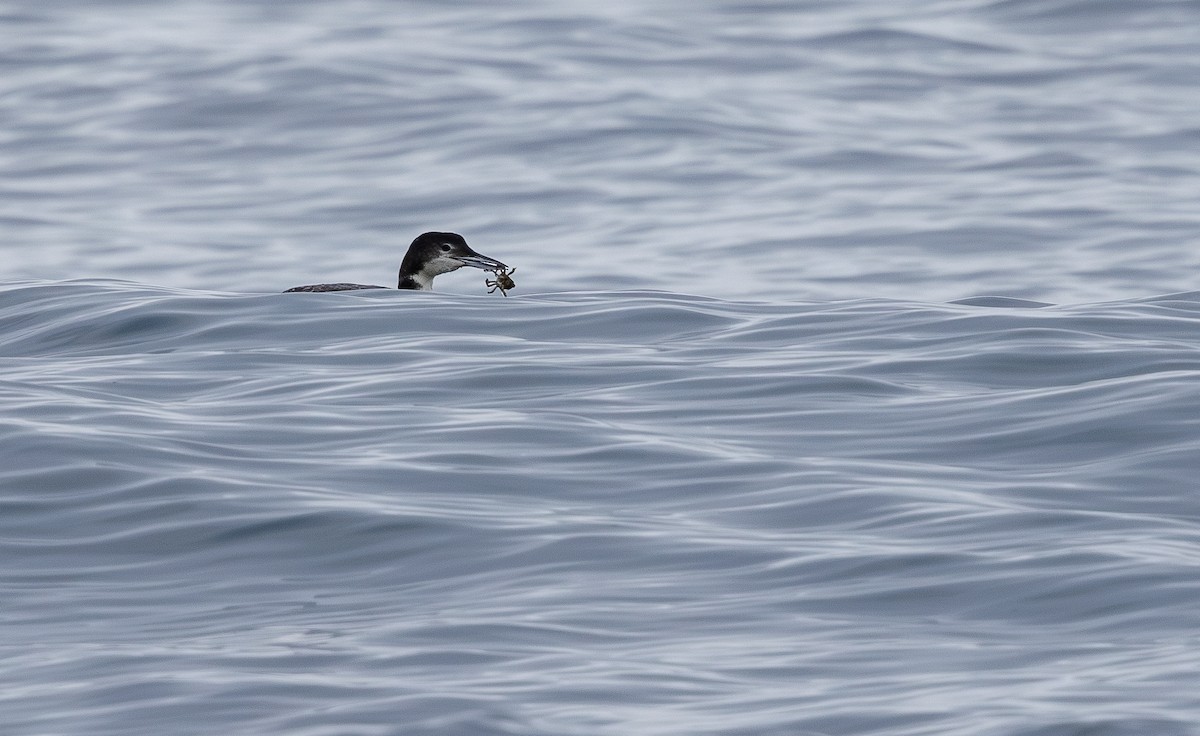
(332, 287)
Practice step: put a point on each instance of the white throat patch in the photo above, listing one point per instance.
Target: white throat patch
(436, 267)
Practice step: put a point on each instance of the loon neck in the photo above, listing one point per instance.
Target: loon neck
(417, 281)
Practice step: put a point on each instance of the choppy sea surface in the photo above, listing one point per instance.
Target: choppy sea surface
(851, 384)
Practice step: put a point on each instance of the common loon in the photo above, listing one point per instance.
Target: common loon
(429, 255)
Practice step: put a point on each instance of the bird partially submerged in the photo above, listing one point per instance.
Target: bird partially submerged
(431, 254)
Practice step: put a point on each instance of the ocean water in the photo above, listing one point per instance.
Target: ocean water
(850, 385)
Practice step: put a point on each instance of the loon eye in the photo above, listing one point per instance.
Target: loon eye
(446, 247)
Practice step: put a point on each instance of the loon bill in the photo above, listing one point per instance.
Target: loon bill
(429, 255)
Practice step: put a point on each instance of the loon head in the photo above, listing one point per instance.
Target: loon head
(432, 254)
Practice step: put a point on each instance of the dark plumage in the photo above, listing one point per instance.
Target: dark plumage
(431, 254)
(333, 287)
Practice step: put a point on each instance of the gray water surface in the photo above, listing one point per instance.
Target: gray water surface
(849, 386)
